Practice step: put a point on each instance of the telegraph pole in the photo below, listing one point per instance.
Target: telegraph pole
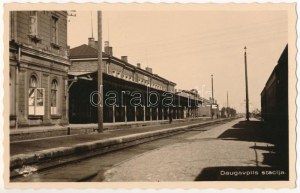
(227, 105)
(100, 82)
(246, 81)
(212, 95)
(212, 87)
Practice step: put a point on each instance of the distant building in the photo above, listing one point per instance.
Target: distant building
(38, 69)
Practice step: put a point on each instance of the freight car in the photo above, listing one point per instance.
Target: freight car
(274, 100)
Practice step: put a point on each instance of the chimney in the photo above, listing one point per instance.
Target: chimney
(124, 58)
(106, 44)
(149, 69)
(138, 65)
(92, 42)
(110, 51)
(107, 48)
(96, 45)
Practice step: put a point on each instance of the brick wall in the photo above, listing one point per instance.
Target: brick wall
(22, 26)
(43, 30)
(84, 66)
(46, 84)
(22, 97)
(12, 85)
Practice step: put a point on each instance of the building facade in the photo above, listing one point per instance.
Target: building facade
(38, 67)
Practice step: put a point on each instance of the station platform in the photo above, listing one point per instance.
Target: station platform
(35, 132)
(36, 151)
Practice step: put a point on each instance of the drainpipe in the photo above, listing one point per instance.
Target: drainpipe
(17, 83)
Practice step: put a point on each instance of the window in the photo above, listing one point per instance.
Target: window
(119, 75)
(33, 31)
(35, 98)
(33, 27)
(54, 30)
(54, 88)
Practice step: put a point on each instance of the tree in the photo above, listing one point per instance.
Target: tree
(228, 112)
(256, 113)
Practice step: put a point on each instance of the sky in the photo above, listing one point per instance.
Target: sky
(188, 46)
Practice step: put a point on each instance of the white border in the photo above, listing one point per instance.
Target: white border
(136, 190)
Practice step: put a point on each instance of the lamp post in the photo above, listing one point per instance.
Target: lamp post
(246, 82)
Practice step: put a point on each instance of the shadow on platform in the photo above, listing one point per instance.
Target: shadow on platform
(252, 131)
(256, 132)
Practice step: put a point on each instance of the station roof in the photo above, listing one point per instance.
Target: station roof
(85, 51)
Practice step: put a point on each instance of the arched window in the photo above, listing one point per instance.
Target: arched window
(35, 97)
(33, 82)
(54, 91)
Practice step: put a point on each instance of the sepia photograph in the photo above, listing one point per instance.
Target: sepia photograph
(156, 93)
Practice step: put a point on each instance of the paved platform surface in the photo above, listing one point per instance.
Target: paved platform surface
(34, 145)
(235, 151)
(238, 150)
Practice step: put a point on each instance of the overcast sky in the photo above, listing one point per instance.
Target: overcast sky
(186, 47)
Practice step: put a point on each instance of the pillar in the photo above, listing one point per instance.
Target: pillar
(157, 113)
(175, 112)
(135, 118)
(114, 114)
(192, 112)
(125, 113)
(144, 108)
(150, 113)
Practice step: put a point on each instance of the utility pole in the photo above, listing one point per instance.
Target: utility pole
(92, 24)
(212, 95)
(246, 81)
(100, 82)
(227, 105)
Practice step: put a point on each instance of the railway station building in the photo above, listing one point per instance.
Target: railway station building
(128, 83)
(53, 85)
